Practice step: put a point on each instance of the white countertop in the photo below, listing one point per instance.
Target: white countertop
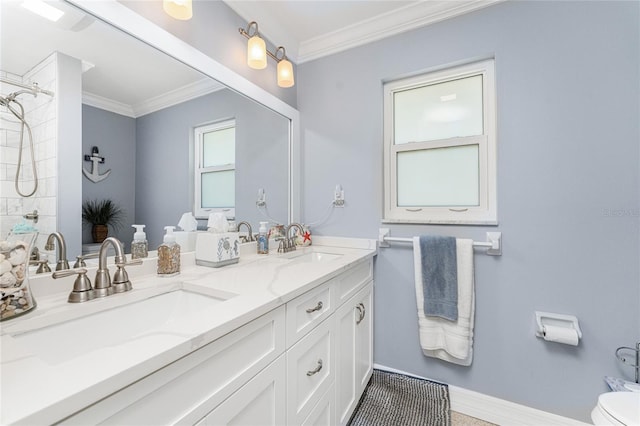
(39, 389)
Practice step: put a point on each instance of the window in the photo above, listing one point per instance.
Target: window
(215, 169)
(440, 147)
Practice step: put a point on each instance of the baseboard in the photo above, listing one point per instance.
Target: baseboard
(495, 410)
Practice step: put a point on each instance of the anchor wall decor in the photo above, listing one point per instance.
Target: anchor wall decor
(95, 158)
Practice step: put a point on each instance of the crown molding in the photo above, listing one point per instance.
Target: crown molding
(107, 104)
(404, 19)
(156, 103)
(177, 96)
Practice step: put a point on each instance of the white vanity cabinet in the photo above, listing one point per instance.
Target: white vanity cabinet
(304, 363)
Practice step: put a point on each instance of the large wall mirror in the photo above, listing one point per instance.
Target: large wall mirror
(140, 97)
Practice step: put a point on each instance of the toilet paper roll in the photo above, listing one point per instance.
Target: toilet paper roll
(568, 336)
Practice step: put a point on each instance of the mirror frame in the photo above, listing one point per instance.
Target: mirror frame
(125, 19)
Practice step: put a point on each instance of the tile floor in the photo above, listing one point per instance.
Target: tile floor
(458, 419)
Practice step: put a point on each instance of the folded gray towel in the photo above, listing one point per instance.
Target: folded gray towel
(439, 276)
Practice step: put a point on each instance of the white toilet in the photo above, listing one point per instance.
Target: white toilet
(617, 408)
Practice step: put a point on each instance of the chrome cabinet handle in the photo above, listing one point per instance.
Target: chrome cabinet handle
(359, 308)
(315, 370)
(362, 311)
(317, 308)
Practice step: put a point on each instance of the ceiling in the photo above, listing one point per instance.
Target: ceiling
(120, 72)
(121, 75)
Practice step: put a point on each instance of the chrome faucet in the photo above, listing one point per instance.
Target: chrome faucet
(121, 281)
(82, 290)
(289, 243)
(250, 237)
(61, 262)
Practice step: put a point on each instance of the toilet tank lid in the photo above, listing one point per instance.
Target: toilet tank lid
(623, 406)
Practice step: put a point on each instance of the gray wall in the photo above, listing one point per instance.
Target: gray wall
(115, 137)
(164, 141)
(568, 191)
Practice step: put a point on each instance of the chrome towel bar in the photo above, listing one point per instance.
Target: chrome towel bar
(493, 243)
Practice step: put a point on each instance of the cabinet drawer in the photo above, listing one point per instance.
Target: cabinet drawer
(323, 413)
(308, 310)
(353, 279)
(310, 371)
(262, 401)
(184, 391)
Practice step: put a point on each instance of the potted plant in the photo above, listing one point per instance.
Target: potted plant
(101, 215)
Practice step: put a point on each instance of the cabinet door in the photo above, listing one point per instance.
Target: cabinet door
(262, 401)
(364, 340)
(354, 345)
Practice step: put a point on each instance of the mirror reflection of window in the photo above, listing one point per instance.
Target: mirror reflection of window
(215, 171)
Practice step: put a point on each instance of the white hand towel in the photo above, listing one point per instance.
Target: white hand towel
(451, 341)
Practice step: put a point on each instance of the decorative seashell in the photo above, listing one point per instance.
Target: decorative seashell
(5, 266)
(18, 256)
(7, 280)
(18, 271)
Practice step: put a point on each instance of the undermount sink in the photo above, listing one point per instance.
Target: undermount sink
(155, 316)
(314, 257)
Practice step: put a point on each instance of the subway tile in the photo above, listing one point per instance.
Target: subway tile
(9, 155)
(14, 204)
(47, 206)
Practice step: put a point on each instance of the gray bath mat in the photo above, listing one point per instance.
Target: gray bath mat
(396, 400)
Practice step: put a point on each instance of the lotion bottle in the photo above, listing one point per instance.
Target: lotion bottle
(263, 239)
(169, 254)
(139, 245)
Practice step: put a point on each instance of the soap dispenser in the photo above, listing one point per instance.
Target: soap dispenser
(139, 245)
(169, 254)
(263, 239)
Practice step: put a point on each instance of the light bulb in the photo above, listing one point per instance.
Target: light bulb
(285, 73)
(256, 53)
(178, 9)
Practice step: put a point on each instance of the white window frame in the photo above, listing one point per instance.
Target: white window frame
(486, 212)
(199, 132)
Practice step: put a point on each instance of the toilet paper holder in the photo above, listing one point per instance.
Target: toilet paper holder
(556, 320)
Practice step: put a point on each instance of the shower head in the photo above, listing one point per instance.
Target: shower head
(12, 96)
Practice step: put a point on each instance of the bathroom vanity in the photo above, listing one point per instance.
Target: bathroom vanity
(277, 339)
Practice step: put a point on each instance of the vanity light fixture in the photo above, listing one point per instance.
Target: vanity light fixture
(178, 9)
(257, 55)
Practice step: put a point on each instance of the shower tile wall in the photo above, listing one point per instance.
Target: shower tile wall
(41, 115)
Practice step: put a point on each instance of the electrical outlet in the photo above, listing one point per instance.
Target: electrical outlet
(338, 196)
